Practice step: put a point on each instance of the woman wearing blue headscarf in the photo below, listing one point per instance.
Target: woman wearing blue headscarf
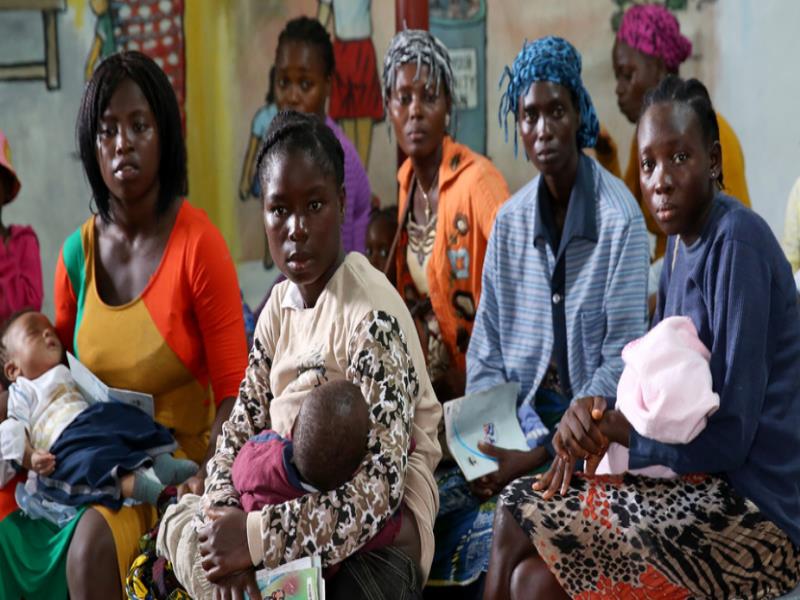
(564, 289)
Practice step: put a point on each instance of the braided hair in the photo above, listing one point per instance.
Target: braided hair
(692, 93)
(310, 31)
(548, 59)
(291, 131)
(160, 95)
(421, 48)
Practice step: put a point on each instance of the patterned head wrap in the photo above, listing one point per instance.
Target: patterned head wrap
(422, 48)
(548, 59)
(653, 30)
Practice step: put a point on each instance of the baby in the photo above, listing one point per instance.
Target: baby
(83, 454)
(665, 391)
(328, 444)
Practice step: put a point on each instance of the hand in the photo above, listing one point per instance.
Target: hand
(510, 465)
(616, 427)
(43, 462)
(194, 485)
(223, 543)
(558, 476)
(579, 432)
(234, 586)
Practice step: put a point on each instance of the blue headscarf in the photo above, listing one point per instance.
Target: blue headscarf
(548, 59)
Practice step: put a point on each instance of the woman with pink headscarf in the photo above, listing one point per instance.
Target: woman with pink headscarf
(649, 45)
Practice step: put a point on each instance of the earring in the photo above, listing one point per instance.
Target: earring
(713, 174)
(447, 121)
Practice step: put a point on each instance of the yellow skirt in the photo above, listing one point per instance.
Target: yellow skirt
(128, 524)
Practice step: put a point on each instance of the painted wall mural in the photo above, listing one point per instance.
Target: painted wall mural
(45, 68)
(356, 101)
(154, 27)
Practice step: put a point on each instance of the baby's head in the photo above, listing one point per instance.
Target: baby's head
(330, 434)
(380, 235)
(29, 345)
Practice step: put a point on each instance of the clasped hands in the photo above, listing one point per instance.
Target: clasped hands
(585, 432)
(225, 556)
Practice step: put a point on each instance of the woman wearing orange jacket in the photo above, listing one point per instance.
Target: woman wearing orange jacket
(448, 199)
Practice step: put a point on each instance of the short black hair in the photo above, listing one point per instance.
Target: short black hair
(310, 31)
(13, 318)
(291, 131)
(692, 93)
(388, 214)
(155, 86)
(270, 98)
(331, 434)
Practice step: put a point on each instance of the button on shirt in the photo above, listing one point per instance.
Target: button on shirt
(604, 256)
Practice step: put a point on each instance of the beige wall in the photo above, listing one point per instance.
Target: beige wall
(747, 52)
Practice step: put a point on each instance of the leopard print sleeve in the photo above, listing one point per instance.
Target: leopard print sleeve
(335, 524)
(250, 415)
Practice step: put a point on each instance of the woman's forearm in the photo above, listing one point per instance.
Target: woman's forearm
(223, 412)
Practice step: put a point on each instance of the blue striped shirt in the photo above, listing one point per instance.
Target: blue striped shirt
(605, 299)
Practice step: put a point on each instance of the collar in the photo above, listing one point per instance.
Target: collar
(581, 220)
(455, 158)
(292, 474)
(293, 299)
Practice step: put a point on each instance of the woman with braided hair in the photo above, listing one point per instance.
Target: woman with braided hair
(447, 202)
(563, 289)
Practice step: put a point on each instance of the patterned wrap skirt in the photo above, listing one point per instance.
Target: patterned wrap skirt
(628, 536)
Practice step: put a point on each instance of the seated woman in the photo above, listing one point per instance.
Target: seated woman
(563, 286)
(447, 202)
(729, 527)
(146, 296)
(649, 46)
(335, 318)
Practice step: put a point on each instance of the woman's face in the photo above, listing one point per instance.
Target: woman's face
(300, 80)
(418, 113)
(636, 74)
(128, 147)
(548, 126)
(677, 169)
(303, 212)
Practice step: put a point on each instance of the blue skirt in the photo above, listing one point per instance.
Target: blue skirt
(105, 442)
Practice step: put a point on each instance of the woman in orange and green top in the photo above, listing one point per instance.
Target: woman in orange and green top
(146, 296)
(649, 46)
(449, 196)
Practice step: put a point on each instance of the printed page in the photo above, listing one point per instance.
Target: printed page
(299, 579)
(95, 390)
(487, 416)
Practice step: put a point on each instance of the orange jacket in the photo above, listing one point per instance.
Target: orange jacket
(733, 175)
(471, 190)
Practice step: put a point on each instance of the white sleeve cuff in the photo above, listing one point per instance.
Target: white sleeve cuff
(255, 542)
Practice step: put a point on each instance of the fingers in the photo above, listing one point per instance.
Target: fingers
(490, 449)
(544, 480)
(558, 445)
(216, 512)
(578, 441)
(598, 407)
(569, 468)
(252, 586)
(592, 463)
(555, 481)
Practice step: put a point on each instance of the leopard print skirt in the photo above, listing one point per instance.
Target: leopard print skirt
(628, 536)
